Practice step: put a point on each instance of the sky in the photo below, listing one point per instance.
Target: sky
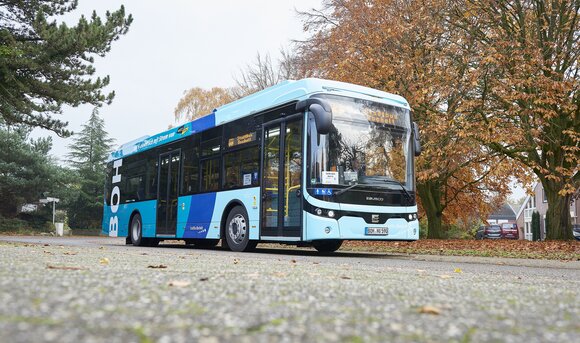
(172, 48)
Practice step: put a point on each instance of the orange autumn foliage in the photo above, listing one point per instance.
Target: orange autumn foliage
(409, 48)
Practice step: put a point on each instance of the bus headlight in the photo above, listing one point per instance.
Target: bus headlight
(410, 216)
(318, 211)
(331, 213)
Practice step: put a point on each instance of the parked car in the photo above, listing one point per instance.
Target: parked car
(492, 231)
(576, 231)
(509, 231)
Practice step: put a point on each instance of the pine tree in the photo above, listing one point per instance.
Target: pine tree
(44, 65)
(26, 170)
(88, 155)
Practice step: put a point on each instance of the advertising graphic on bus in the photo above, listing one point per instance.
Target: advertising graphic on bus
(308, 162)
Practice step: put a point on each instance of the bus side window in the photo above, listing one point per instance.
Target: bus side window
(190, 160)
(151, 175)
(241, 168)
(210, 174)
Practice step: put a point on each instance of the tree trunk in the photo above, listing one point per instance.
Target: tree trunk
(430, 194)
(558, 220)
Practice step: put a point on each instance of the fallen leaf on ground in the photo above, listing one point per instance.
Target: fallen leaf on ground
(445, 276)
(345, 277)
(429, 310)
(179, 283)
(280, 274)
(65, 267)
(293, 261)
(236, 261)
(104, 261)
(203, 279)
(458, 270)
(70, 253)
(160, 266)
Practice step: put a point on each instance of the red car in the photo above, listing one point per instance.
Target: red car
(509, 231)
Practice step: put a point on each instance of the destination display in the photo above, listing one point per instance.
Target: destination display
(242, 139)
(382, 117)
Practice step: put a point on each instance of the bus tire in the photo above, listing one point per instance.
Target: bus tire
(327, 246)
(237, 231)
(136, 230)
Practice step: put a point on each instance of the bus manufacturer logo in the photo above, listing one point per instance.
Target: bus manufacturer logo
(375, 218)
(115, 199)
(375, 198)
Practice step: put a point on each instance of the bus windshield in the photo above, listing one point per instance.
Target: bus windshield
(368, 146)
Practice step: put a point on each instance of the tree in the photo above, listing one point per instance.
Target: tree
(408, 47)
(259, 75)
(45, 65)
(88, 156)
(263, 73)
(26, 169)
(527, 102)
(198, 102)
(536, 226)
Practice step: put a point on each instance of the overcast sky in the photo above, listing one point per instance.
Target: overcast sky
(176, 45)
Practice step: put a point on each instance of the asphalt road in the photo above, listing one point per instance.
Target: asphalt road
(99, 290)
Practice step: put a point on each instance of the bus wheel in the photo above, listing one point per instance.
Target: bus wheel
(136, 230)
(327, 246)
(237, 231)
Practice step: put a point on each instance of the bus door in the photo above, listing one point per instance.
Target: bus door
(282, 179)
(169, 167)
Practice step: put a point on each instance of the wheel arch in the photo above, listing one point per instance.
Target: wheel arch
(133, 214)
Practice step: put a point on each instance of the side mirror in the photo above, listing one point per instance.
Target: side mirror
(322, 113)
(416, 141)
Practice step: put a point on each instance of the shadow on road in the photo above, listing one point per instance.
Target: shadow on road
(290, 251)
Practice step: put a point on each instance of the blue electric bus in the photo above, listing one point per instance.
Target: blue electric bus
(309, 162)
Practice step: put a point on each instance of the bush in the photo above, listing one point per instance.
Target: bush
(423, 228)
(25, 224)
(455, 231)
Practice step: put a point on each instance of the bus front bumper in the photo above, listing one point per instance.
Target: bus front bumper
(355, 228)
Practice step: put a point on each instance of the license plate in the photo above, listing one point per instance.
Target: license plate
(378, 231)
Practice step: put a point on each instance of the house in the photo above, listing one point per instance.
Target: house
(539, 202)
(504, 214)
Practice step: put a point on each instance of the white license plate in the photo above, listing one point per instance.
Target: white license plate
(378, 231)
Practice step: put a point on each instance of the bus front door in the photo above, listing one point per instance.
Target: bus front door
(282, 181)
(169, 166)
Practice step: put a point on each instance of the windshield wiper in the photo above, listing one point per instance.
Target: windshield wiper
(407, 194)
(346, 189)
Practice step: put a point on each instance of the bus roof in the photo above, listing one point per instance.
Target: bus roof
(281, 93)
